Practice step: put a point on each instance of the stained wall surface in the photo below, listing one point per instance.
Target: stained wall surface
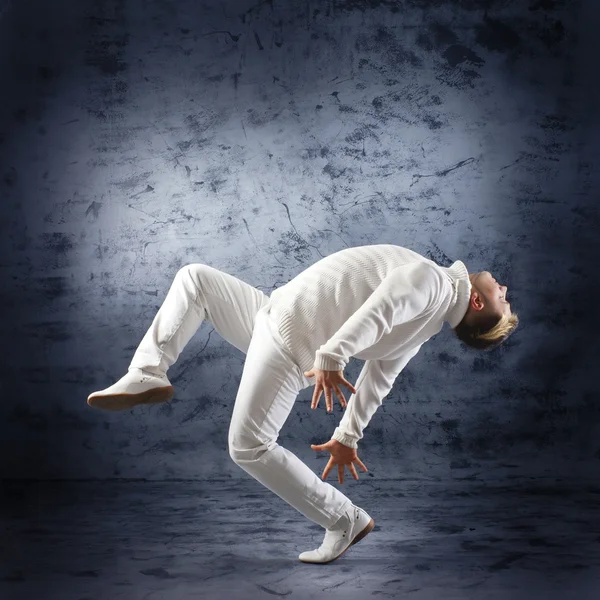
(137, 137)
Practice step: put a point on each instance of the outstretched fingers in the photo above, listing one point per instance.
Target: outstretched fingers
(316, 396)
(340, 396)
(328, 400)
(328, 468)
(361, 464)
(352, 470)
(349, 386)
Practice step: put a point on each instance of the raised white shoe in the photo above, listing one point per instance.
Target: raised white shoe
(135, 387)
(352, 527)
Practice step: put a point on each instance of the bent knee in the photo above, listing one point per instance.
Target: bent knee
(245, 446)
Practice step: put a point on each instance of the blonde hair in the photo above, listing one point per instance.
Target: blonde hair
(487, 332)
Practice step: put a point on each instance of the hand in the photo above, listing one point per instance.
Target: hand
(328, 380)
(341, 456)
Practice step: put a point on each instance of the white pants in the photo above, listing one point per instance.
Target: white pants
(270, 381)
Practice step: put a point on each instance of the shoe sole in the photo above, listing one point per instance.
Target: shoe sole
(356, 539)
(125, 401)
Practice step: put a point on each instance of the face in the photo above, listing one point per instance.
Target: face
(495, 294)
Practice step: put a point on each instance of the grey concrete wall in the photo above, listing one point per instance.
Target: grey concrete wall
(137, 137)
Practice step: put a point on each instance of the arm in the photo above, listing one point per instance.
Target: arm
(407, 292)
(374, 383)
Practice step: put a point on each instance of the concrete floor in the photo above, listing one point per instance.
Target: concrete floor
(95, 540)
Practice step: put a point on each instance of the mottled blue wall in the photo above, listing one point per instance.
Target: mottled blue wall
(137, 137)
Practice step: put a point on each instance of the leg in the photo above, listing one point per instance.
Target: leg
(268, 389)
(199, 292)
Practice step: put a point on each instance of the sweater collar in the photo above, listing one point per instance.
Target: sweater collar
(461, 292)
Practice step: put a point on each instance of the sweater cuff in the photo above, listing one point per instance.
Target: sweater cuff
(344, 438)
(325, 363)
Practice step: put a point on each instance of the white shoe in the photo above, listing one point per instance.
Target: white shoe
(353, 526)
(136, 387)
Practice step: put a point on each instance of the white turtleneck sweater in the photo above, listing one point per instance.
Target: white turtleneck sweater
(378, 303)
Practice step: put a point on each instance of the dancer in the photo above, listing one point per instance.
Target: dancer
(378, 303)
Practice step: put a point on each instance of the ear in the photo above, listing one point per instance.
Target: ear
(476, 301)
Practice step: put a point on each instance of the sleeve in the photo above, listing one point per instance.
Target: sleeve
(407, 292)
(373, 385)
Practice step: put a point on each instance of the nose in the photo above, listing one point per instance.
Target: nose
(502, 287)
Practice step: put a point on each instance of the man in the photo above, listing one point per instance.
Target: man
(379, 303)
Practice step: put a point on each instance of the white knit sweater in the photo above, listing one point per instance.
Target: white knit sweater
(378, 303)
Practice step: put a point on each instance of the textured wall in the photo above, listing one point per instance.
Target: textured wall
(137, 137)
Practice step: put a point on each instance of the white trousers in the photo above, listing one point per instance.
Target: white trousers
(270, 381)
